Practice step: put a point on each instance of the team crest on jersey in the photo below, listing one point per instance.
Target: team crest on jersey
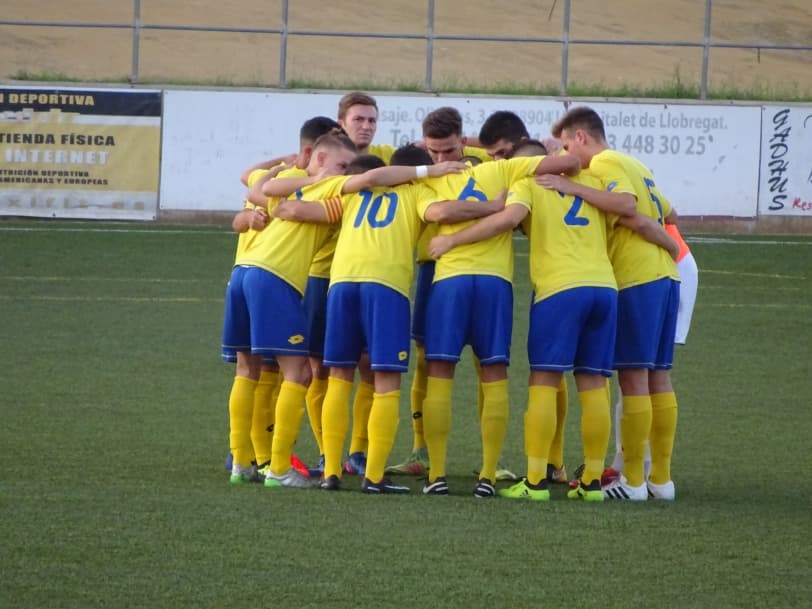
(296, 339)
(402, 355)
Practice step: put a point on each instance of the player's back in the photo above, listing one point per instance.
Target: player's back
(482, 183)
(287, 248)
(568, 238)
(379, 230)
(634, 259)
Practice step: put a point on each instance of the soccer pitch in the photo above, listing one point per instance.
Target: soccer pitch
(114, 411)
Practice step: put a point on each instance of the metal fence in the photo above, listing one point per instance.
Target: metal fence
(284, 32)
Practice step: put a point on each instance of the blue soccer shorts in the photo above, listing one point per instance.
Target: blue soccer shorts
(367, 316)
(474, 310)
(574, 330)
(646, 325)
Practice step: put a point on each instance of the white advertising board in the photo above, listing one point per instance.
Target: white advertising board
(705, 157)
(212, 136)
(786, 161)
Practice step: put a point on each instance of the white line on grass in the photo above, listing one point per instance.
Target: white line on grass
(157, 299)
(76, 229)
(113, 279)
(745, 274)
(755, 305)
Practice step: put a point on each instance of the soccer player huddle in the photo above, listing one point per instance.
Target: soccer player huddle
(329, 240)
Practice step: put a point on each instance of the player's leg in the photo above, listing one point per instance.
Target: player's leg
(240, 414)
(315, 307)
(356, 462)
(492, 326)
(664, 403)
(264, 408)
(286, 339)
(447, 326)
(638, 340)
(593, 366)
(385, 316)
(417, 461)
(342, 349)
(236, 348)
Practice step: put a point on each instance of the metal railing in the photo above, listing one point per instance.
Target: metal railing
(284, 32)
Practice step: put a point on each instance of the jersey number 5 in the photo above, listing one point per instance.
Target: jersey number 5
(372, 212)
(651, 186)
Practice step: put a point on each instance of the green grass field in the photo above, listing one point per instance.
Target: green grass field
(114, 431)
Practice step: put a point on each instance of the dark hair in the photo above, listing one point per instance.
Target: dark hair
(315, 127)
(502, 125)
(583, 118)
(362, 163)
(527, 148)
(410, 155)
(356, 98)
(442, 122)
(335, 138)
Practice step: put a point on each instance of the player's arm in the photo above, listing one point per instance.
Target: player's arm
(284, 187)
(319, 212)
(557, 164)
(495, 224)
(453, 212)
(652, 231)
(619, 203)
(255, 194)
(399, 174)
(281, 160)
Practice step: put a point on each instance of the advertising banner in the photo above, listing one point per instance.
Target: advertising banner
(786, 161)
(705, 157)
(79, 153)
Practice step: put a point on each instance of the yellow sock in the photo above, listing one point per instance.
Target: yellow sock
(663, 430)
(262, 421)
(418, 394)
(240, 411)
(562, 398)
(596, 427)
(635, 426)
(335, 419)
(361, 406)
(494, 425)
(383, 425)
(480, 394)
(437, 423)
(289, 413)
(539, 429)
(314, 402)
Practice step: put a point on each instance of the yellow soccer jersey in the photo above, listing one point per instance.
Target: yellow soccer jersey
(379, 230)
(245, 238)
(382, 151)
(635, 260)
(286, 248)
(479, 153)
(567, 238)
(492, 256)
(423, 241)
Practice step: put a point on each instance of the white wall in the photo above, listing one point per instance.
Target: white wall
(705, 157)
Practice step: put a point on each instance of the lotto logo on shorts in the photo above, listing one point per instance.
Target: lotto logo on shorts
(402, 355)
(296, 339)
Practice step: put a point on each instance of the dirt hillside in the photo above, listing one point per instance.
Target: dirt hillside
(254, 58)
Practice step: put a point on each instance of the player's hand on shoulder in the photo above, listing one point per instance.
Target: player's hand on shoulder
(439, 245)
(284, 209)
(446, 167)
(554, 182)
